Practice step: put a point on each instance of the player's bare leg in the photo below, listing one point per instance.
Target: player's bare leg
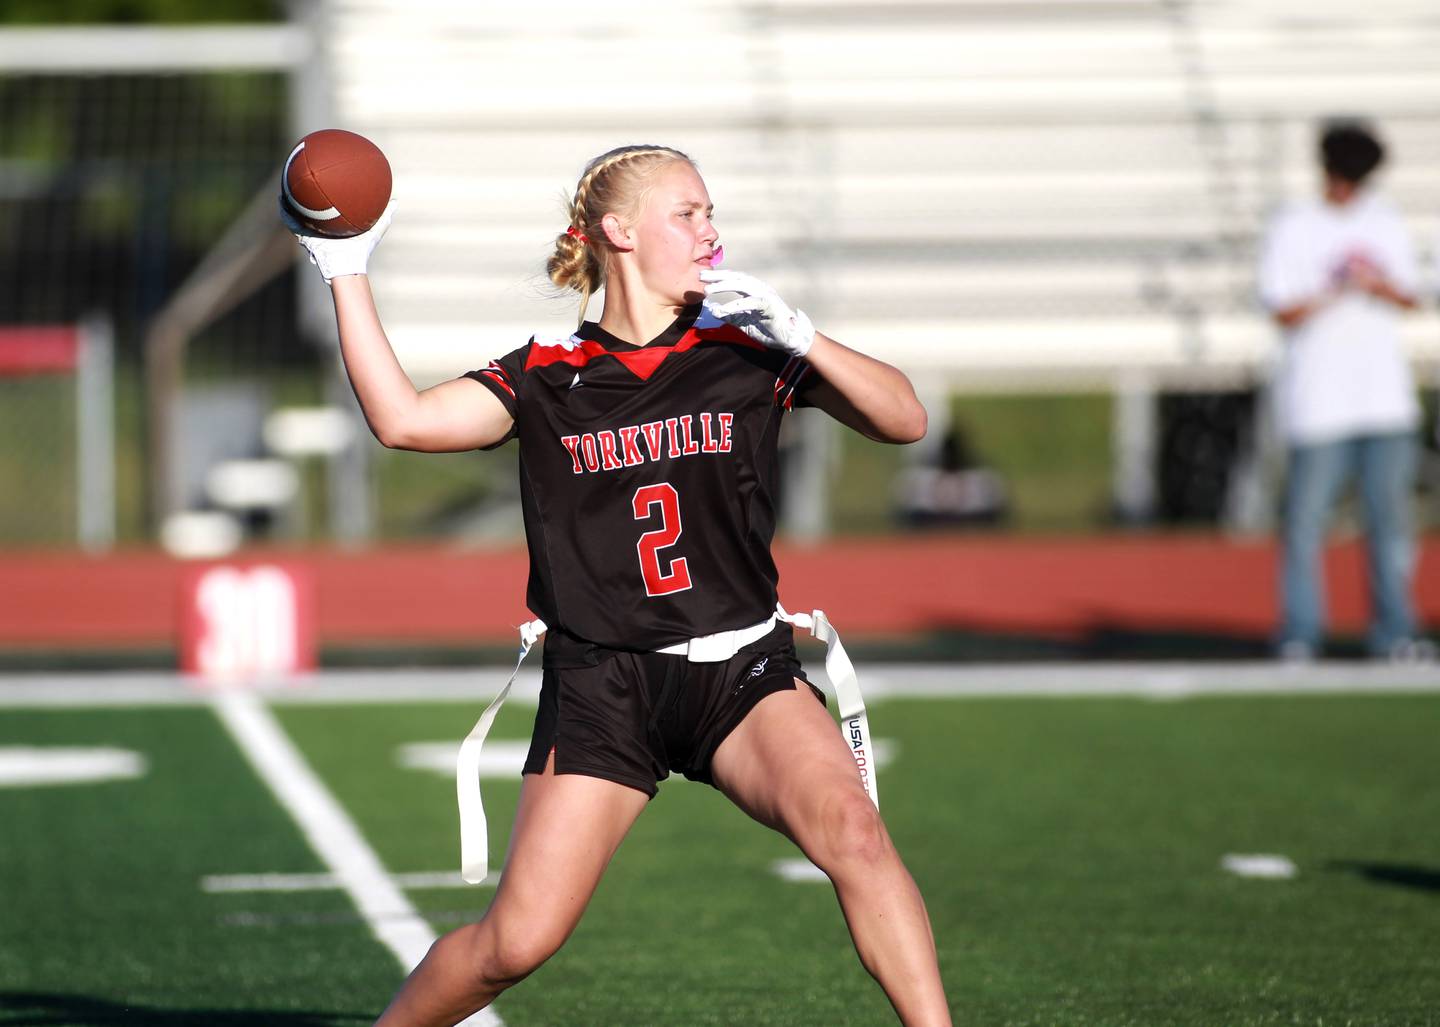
(788, 767)
(566, 829)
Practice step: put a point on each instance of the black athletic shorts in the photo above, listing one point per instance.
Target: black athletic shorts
(634, 717)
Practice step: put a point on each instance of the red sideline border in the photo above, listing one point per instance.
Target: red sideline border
(1063, 588)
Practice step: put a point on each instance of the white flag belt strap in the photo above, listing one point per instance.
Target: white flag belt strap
(722, 645)
(854, 722)
(474, 833)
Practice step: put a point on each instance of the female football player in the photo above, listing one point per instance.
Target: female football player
(648, 476)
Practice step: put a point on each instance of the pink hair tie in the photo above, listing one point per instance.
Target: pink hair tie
(576, 233)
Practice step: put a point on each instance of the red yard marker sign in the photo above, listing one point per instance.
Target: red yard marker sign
(247, 622)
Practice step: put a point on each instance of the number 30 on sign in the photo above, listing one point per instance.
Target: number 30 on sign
(243, 623)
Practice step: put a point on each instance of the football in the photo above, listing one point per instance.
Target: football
(336, 182)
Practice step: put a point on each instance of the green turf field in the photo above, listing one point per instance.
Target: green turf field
(1069, 849)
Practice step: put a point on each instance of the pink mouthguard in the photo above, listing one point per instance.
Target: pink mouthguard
(717, 256)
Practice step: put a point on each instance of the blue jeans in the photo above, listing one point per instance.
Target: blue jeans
(1385, 465)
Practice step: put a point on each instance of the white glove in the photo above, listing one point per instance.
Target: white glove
(759, 312)
(337, 257)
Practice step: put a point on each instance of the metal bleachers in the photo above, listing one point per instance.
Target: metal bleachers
(1022, 194)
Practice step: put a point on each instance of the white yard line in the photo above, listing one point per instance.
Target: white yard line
(168, 688)
(880, 681)
(329, 882)
(1143, 680)
(330, 831)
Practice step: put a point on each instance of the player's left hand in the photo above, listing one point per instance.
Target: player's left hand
(759, 312)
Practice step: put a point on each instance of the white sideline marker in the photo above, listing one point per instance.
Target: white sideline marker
(331, 833)
(798, 871)
(1260, 864)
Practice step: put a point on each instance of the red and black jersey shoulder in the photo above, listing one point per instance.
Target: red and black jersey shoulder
(503, 378)
(592, 349)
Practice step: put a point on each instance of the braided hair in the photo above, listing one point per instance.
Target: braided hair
(614, 182)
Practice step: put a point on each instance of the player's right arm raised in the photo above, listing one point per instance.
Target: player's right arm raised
(450, 417)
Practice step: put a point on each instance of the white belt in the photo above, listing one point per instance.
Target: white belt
(722, 645)
(854, 725)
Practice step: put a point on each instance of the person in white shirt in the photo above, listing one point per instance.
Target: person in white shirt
(1335, 274)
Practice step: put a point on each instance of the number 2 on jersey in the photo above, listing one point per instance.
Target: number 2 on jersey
(658, 580)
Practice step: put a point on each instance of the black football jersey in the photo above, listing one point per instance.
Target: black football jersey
(648, 478)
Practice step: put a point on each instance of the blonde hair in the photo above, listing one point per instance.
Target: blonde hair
(616, 182)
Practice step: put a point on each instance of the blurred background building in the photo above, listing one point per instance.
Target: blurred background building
(1045, 211)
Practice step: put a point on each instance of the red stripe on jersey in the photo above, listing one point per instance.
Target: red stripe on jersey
(642, 362)
(725, 333)
(782, 382)
(577, 356)
(497, 375)
(791, 375)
